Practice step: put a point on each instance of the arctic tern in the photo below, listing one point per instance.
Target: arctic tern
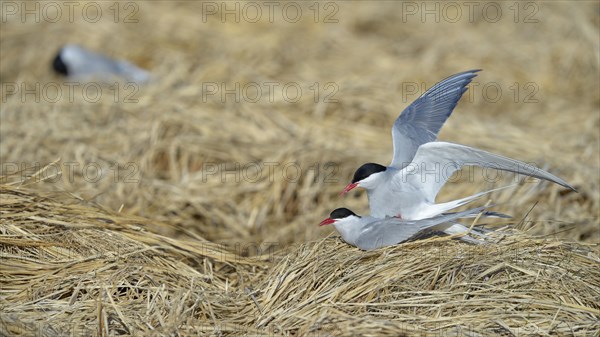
(410, 192)
(367, 232)
(77, 62)
(421, 166)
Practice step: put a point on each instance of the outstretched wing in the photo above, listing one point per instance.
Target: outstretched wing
(391, 231)
(435, 162)
(421, 121)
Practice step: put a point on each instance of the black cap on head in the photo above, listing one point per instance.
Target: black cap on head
(366, 170)
(59, 66)
(340, 213)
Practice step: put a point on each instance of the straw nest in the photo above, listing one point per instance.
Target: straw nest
(72, 269)
(142, 212)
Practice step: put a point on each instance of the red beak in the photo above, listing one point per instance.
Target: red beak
(348, 188)
(327, 221)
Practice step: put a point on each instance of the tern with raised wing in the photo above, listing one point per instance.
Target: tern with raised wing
(421, 166)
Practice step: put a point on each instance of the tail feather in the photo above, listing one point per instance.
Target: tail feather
(440, 208)
(487, 214)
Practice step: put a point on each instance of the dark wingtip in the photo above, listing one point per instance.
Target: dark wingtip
(59, 65)
(565, 185)
(497, 215)
(472, 71)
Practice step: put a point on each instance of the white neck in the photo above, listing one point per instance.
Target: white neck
(350, 231)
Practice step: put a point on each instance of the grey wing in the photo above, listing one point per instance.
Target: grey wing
(435, 162)
(391, 231)
(421, 121)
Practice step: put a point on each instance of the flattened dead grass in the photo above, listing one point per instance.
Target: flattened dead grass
(72, 269)
(161, 245)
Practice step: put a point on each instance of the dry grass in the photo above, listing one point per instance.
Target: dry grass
(516, 288)
(71, 269)
(162, 246)
(74, 269)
